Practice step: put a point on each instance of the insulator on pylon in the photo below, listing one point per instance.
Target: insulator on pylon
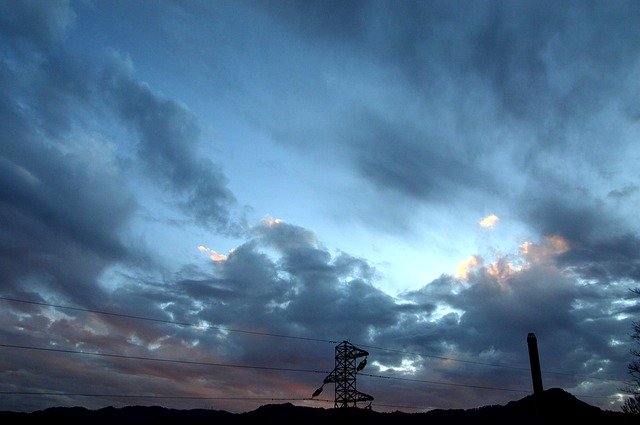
(317, 392)
(362, 364)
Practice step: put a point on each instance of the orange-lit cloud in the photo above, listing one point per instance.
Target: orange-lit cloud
(501, 270)
(216, 257)
(465, 267)
(552, 246)
(489, 221)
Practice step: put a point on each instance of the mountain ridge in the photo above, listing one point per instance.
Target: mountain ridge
(552, 404)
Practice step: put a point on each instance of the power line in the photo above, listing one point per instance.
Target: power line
(169, 322)
(463, 385)
(212, 364)
(156, 359)
(547, 372)
(171, 397)
(186, 324)
(190, 362)
(57, 393)
(526, 369)
(444, 383)
(128, 316)
(441, 357)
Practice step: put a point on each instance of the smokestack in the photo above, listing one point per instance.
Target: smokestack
(536, 374)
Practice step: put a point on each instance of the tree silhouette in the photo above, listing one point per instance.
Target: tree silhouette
(632, 404)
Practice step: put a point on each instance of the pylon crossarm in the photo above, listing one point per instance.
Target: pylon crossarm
(354, 353)
(331, 377)
(361, 396)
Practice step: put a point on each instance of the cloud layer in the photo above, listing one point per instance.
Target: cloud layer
(413, 109)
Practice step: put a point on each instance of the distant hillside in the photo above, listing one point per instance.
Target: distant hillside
(552, 405)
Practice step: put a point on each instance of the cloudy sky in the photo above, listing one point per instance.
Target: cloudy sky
(256, 181)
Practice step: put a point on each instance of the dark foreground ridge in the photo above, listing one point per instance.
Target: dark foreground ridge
(553, 405)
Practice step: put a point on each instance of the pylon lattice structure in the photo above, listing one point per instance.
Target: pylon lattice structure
(344, 375)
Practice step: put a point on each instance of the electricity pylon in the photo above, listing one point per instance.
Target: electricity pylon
(344, 376)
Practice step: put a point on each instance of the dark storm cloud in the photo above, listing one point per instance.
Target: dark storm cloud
(335, 297)
(304, 285)
(603, 246)
(64, 211)
(61, 209)
(513, 45)
(608, 259)
(64, 198)
(168, 139)
(624, 192)
(536, 298)
(577, 219)
(524, 47)
(302, 290)
(249, 271)
(488, 90)
(284, 237)
(328, 18)
(207, 289)
(570, 322)
(37, 22)
(405, 43)
(418, 164)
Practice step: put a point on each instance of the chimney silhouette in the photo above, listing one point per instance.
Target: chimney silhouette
(534, 360)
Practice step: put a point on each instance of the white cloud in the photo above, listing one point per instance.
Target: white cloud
(465, 267)
(215, 256)
(489, 221)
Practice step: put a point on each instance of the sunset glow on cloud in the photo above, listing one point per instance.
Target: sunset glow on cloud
(215, 257)
(529, 253)
(489, 221)
(465, 267)
(501, 270)
(553, 245)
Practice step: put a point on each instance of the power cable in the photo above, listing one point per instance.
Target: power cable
(58, 393)
(186, 324)
(190, 362)
(443, 383)
(170, 322)
(155, 359)
(525, 369)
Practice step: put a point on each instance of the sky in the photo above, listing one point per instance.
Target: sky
(235, 187)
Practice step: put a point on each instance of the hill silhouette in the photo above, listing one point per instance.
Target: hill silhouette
(554, 405)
